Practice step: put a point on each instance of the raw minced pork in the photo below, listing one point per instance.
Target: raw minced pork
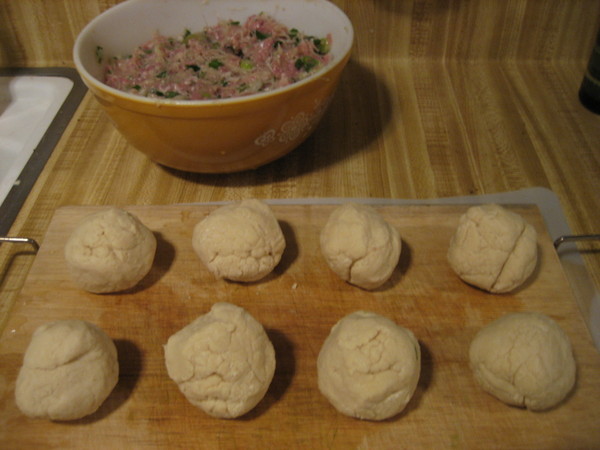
(230, 59)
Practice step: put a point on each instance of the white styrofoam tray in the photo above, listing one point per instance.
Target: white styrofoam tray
(28, 105)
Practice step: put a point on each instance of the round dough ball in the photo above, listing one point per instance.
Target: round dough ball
(493, 249)
(369, 366)
(240, 242)
(360, 246)
(110, 251)
(223, 362)
(524, 359)
(69, 369)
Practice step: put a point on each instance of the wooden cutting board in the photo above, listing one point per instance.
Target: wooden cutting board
(298, 304)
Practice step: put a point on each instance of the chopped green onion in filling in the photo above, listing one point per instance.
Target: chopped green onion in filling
(257, 55)
(215, 64)
(306, 63)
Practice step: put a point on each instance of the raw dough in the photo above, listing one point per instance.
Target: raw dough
(223, 362)
(524, 359)
(360, 246)
(493, 249)
(110, 251)
(369, 366)
(240, 242)
(69, 369)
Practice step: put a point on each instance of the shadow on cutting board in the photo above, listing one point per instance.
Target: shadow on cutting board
(284, 372)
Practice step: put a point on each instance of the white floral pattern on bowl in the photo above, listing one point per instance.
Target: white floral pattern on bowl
(293, 128)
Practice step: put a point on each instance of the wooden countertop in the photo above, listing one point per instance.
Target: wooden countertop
(442, 106)
(440, 99)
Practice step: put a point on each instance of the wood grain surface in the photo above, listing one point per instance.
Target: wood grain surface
(441, 98)
(388, 29)
(298, 304)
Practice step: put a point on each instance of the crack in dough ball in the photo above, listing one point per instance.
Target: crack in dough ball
(524, 359)
(69, 369)
(240, 242)
(360, 246)
(110, 251)
(223, 362)
(493, 249)
(369, 366)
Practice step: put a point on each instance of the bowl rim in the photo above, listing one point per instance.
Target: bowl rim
(94, 83)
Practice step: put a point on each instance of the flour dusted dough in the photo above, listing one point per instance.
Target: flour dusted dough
(493, 249)
(368, 366)
(524, 359)
(110, 251)
(240, 242)
(223, 362)
(360, 246)
(69, 369)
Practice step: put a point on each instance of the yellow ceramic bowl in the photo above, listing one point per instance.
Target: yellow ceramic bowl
(212, 136)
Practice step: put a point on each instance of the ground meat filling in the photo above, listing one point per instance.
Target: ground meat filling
(231, 59)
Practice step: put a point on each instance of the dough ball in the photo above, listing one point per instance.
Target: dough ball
(368, 366)
(240, 242)
(360, 246)
(110, 251)
(493, 249)
(223, 362)
(69, 369)
(524, 359)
